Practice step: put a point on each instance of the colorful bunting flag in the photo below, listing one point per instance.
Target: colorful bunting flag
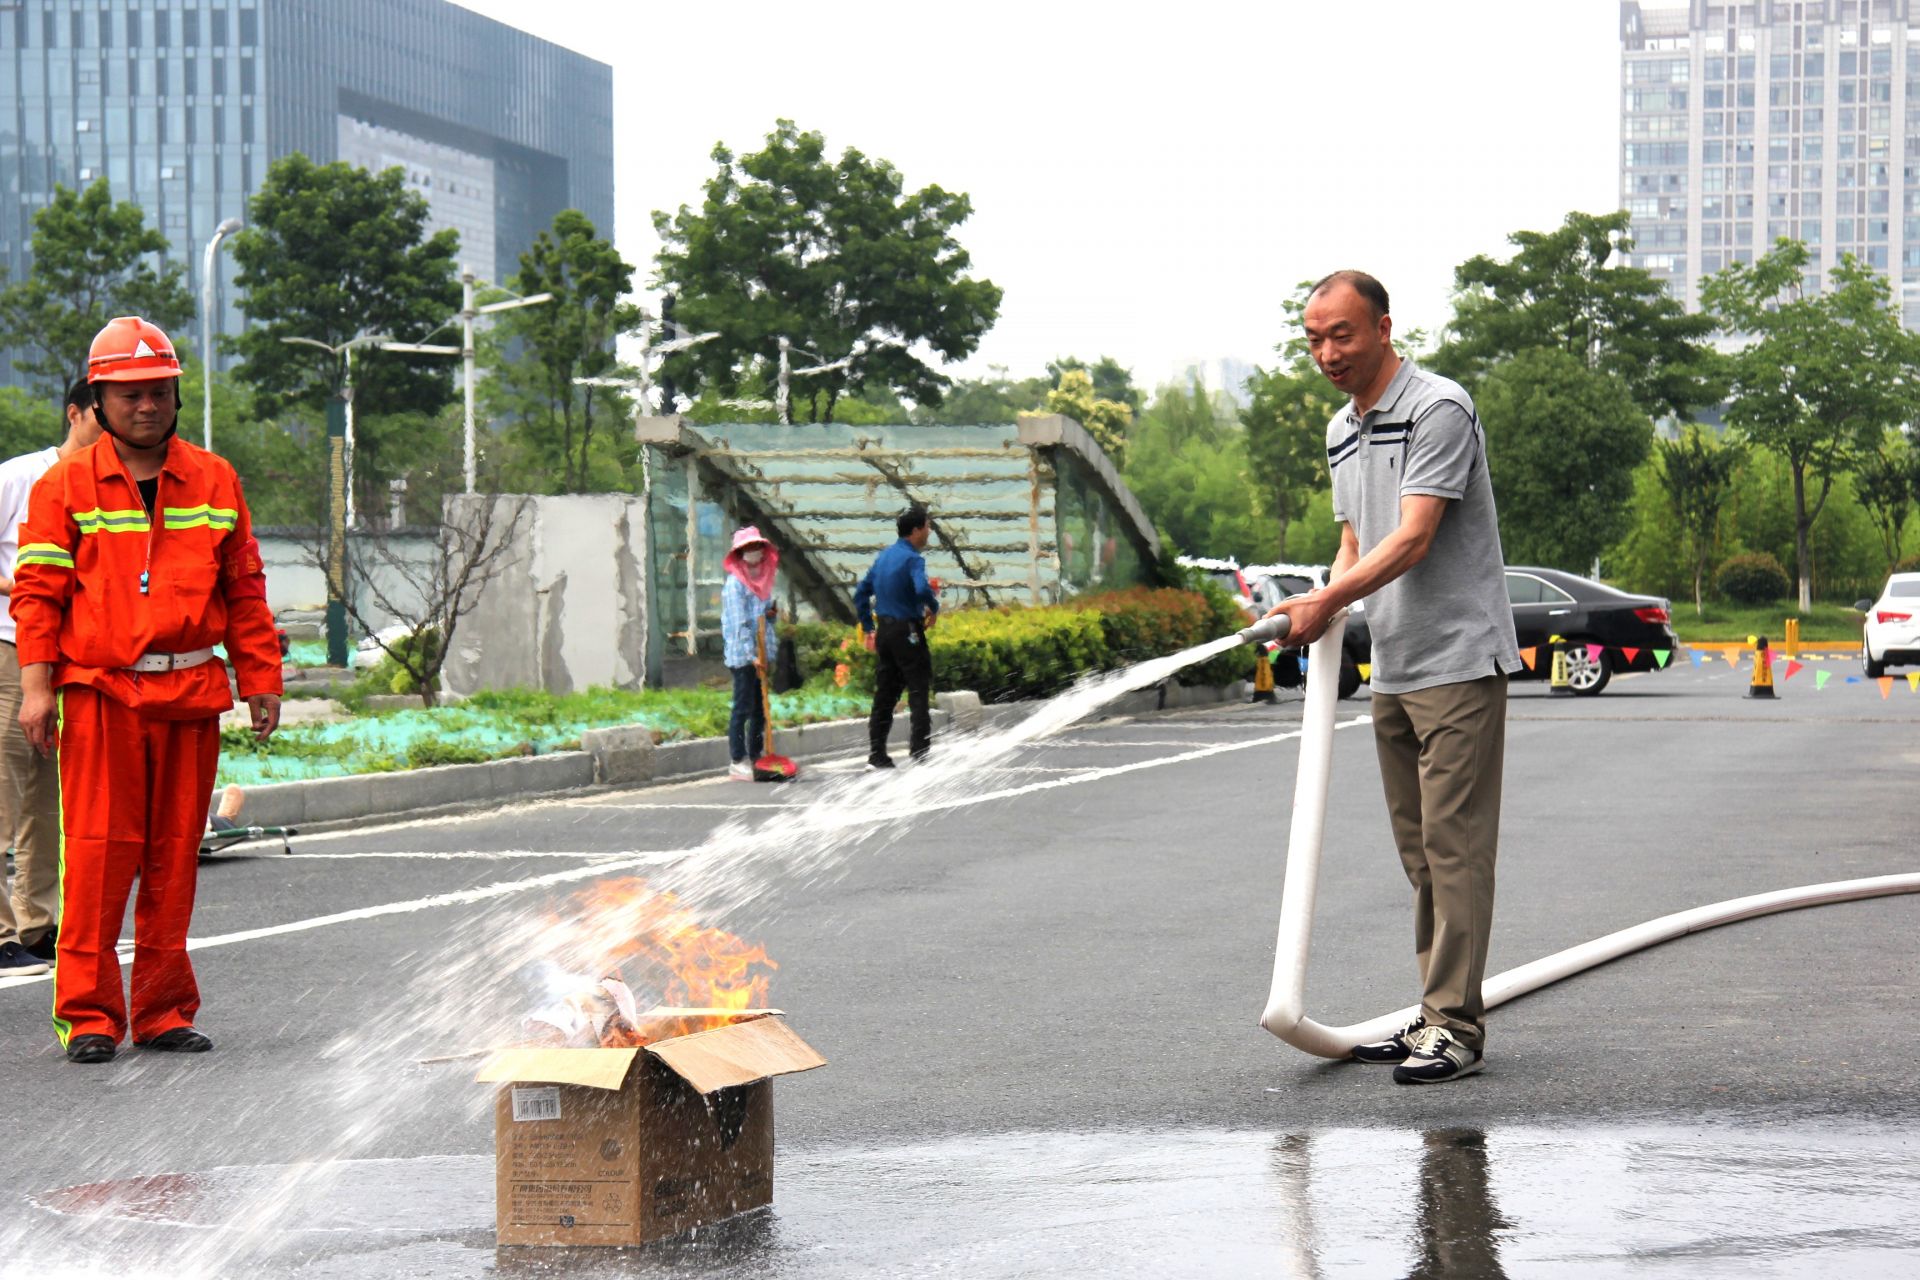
(1732, 656)
(1793, 669)
(1913, 681)
(1660, 657)
(1629, 654)
(1366, 671)
(1853, 679)
(1820, 679)
(1886, 687)
(1697, 656)
(1529, 654)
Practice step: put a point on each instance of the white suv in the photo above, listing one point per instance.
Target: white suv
(1891, 631)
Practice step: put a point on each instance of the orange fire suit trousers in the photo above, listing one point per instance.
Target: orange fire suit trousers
(133, 802)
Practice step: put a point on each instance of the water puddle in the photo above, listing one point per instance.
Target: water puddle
(1757, 1202)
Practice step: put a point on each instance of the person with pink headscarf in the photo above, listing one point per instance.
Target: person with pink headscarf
(746, 599)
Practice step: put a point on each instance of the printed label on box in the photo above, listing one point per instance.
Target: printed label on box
(536, 1104)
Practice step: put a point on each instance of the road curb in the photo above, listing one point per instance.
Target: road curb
(627, 756)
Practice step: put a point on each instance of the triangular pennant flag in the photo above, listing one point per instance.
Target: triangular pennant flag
(1886, 687)
(1660, 657)
(1853, 679)
(1593, 653)
(1366, 671)
(1697, 656)
(1629, 654)
(1732, 656)
(1529, 654)
(1913, 681)
(1820, 679)
(1793, 669)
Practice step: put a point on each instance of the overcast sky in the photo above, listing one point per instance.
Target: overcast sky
(1149, 187)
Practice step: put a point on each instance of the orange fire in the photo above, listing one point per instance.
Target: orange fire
(629, 932)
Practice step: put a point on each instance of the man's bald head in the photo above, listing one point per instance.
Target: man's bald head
(1371, 291)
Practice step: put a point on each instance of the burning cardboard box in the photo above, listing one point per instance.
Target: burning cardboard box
(624, 1146)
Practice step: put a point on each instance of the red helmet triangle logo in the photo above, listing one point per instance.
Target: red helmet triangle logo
(142, 349)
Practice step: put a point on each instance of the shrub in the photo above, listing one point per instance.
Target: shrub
(1010, 653)
(1755, 578)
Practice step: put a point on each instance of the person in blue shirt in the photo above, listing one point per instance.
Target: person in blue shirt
(896, 606)
(747, 597)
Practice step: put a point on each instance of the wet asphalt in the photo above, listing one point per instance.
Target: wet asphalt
(1040, 1014)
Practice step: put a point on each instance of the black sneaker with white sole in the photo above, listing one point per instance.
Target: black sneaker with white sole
(18, 962)
(1391, 1051)
(1436, 1058)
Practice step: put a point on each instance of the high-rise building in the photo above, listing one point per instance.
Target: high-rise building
(182, 104)
(1742, 123)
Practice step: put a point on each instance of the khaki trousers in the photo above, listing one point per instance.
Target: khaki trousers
(29, 819)
(1441, 752)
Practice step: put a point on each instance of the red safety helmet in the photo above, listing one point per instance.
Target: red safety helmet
(130, 349)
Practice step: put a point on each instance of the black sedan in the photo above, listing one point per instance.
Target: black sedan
(1548, 603)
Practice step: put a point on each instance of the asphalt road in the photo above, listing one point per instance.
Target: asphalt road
(1058, 968)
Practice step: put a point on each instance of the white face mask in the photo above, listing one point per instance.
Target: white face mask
(752, 556)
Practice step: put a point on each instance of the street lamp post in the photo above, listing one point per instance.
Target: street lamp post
(220, 233)
(468, 314)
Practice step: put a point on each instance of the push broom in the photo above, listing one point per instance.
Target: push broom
(770, 767)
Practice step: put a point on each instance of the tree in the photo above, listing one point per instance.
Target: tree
(567, 434)
(835, 256)
(1697, 471)
(1823, 376)
(1286, 425)
(1105, 420)
(995, 398)
(333, 252)
(1560, 292)
(1887, 482)
(1562, 445)
(1187, 464)
(92, 260)
(425, 602)
(1111, 381)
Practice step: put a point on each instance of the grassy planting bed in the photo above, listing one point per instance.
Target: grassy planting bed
(1735, 622)
(497, 725)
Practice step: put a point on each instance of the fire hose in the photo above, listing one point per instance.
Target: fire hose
(1286, 1015)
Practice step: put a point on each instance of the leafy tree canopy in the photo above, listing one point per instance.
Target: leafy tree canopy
(93, 260)
(1105, 420)
(1562, 444)
(332, 252)
(1567, 290)
(834, 255)
(1111, 381)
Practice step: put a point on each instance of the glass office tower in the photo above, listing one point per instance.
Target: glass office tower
(182, 104)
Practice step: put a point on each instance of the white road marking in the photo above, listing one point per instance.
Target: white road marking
(618, 862)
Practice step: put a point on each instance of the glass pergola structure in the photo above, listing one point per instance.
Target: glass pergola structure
(1021, 513)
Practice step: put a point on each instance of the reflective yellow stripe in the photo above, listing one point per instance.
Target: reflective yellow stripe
(197, 517)
(45, 553)
(99, 521)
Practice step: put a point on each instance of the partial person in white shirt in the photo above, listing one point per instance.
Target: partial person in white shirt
(29, 782)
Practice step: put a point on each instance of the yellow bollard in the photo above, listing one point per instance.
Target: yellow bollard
(1793, 637)
(1762, 686)
(1558, 684)
(1262, 676)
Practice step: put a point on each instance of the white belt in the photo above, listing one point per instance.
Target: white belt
(171, 661)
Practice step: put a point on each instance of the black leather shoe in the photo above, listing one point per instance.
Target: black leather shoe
(179, 1040)
(90, 1049)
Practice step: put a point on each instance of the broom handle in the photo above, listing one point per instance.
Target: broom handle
(766, 702)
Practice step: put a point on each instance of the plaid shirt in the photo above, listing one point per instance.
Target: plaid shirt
(739, 610)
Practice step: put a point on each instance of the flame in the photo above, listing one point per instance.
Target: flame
(628, 932)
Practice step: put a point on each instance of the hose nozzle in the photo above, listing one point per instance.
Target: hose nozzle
(1274, 628)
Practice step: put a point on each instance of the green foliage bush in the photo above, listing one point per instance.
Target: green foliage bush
(1021, 652)
(1754, 578)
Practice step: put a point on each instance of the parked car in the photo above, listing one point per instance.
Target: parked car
(1549, 602)
(1890, 629)
(1225, 572)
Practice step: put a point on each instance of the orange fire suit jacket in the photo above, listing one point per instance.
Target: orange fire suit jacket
(88, 545)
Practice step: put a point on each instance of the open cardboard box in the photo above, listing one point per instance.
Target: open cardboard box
(628, 1146)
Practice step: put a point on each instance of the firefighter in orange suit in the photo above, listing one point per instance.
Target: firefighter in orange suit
(137, 558)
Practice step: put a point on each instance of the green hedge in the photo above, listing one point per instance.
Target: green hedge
(1016, 652)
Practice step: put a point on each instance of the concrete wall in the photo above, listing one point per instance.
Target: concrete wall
(294, 580)
(566, 607)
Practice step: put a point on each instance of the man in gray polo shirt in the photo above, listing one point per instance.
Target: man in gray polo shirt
(1420, 543)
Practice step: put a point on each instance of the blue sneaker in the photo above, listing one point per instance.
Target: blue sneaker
(18, 962)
